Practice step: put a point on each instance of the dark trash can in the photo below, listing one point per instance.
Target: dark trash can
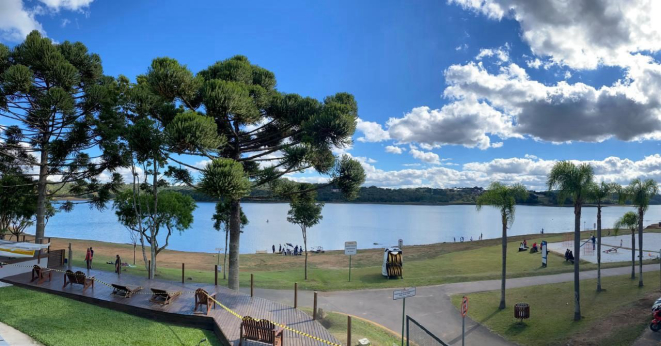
(521, 311)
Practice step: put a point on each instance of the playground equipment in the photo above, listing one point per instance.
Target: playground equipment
(392, 263)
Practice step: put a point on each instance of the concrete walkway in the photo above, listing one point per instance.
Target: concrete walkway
(431, 306)
(12, 337)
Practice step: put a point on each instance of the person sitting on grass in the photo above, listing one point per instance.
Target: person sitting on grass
(533, 249)
(570, 256)
(525, 244)
(522, 247)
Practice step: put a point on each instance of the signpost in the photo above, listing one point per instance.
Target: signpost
(403, 294)
(464, 311)
(350, 248)
(545, 253)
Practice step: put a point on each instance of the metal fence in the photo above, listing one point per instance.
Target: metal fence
(417, 335)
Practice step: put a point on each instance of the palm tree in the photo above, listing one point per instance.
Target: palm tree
(573, 181)
(598, 193)
(640, 193)
(504, 198)
(629, 221)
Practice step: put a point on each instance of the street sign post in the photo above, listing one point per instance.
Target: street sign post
(350, 248)
(219, 249)
(464, 311)
(403, 294)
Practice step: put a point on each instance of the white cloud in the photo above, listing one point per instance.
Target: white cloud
(394, 149)
(373, 132)
(581, 34)
(497, 145)
(461, 47)
(65, 22)
(425, 156)
(502, 53)
(17, 20)
(536, 63)
(567, 74)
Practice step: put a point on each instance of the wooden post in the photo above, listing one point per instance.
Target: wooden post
(24, 238)
(314, 311)
(348, 330)
(149, 269)
(49, 245)
(70, 255)
(295, 295)
(182, 273)
(252, 285)
(215, 274)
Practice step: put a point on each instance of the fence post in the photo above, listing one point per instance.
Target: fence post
(252, 285)
(182, 273)
(48, 244)
(149, 270)
(295, 295)
(407, 331)
(70, 255)
(314, 311)
(348, 330)
(215, 275)
(24, 238)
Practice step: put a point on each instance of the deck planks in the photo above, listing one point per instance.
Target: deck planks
(180, 310)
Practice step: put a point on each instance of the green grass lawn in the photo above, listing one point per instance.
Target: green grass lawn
(58, 321)
(614, 317)
(336, 323)
(428, 265)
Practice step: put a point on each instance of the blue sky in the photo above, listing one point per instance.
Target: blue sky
(508, 86)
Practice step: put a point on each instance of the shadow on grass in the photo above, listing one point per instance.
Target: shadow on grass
(516, 328)
(477, 325)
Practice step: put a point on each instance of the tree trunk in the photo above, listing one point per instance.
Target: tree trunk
(577, 255)
(633, 254)
(42, 186)
(154, 226)
(152, 250)
(305, 244)
(599, 247)
(504, 250)
(640, 246)
(227, 236)
(235, 234)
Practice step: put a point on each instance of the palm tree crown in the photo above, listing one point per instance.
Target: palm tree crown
(571, 181)
(502, 197)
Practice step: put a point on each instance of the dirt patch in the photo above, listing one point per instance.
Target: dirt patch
(625, 319)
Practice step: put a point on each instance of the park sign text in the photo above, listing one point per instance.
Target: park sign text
(403, 293)
(350, 248)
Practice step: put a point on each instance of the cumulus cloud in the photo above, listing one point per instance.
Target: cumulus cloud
(394, 149)
(501, 53)
(425, 156)
(581, 34)
(372, 132)
(17, 20)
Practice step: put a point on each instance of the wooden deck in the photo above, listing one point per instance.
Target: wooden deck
(180, 311)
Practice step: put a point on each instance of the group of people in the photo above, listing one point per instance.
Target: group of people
(89, 256)
(461, 239)
(523, 246)
(285, 251)
(569, 256)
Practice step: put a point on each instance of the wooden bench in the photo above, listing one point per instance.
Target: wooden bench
(163, 297)
(262, 331)
(40, 274)
(78, 278)
(125, 291)
(202, 297)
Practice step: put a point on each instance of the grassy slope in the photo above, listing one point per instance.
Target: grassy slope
(54, 320)
(336, 323)
(423, 265)
(614, 317)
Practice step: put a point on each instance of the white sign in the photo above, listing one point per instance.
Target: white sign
(350, 247)
(403, 293)
(400, 243)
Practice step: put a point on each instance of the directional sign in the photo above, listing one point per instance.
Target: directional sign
(350, 248)
(464, 306)
(403, 293)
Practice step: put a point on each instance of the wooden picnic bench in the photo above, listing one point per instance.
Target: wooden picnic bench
(163, 297)
(78, 278)
(124, 291)
(40, 274)
(202, 297)
(263, 331)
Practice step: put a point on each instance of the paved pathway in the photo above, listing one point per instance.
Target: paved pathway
(431, 307)
(12, 337)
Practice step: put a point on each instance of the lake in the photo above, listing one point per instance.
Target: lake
(365, 223)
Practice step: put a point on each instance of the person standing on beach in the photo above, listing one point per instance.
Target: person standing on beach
(88, 259)
(273, 247)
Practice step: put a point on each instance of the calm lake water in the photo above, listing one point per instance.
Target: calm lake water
(365, 223)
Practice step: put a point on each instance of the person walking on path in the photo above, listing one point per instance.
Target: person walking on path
(88, 259)
(273, 247)
(118, 265)
(91, 256)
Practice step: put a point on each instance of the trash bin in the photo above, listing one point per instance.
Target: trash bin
(521, 311)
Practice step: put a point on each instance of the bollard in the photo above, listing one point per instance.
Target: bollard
(295, 295)
(215, 274)
(252, 285)
(348, 330)
(149, 270)
(182, 273)
(314, 311)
